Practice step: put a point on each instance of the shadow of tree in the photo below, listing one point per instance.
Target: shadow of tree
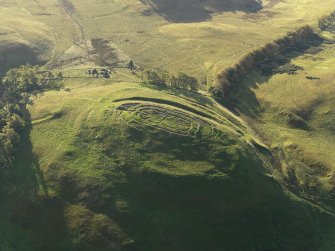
(15, 55)
(30, 219)
(188, 11)
(193, 97)
(242, 98)
(26, 175)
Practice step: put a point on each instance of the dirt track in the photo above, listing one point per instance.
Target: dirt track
(69, 9)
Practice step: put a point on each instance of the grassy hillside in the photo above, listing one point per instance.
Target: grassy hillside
(126, 167)
(116, 164)
(19, 36)
(295, 116)
(199, 38)
(198, 48)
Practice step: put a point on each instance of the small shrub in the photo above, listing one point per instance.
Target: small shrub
(312, 78)
(183, 81)
(155, 78)
(326, 22)
(165, 79)
(216, 93)
(289, 69)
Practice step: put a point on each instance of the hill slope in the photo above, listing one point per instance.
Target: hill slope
(115, 164)
(293, 113)
(142, 31)
(119, 170)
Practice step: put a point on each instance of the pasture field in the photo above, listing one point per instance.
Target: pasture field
(152, 33)
(217, 41)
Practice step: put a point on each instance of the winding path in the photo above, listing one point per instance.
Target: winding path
(79, 25)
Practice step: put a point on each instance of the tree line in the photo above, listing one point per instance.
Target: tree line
(16, 87)
(254, 60)
(165, 79)
(327, 21)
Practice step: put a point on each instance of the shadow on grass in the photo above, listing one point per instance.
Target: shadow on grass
(197, 213)
(188, 95)
(242, 98)
(15, 55)
(30, 219)
(26, 177)
(188, 11)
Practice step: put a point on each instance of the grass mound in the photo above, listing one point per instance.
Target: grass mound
(132, 173)
(120, 166)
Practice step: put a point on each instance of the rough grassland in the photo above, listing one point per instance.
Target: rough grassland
(199, 48)
(196, 47)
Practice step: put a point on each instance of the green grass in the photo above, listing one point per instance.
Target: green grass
(99, 181)
(294, 114)
(310, 99)
(176, 170)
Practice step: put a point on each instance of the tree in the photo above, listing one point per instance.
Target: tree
(15, 90)
(131, 65)
(60, 76)
(28, 79)
(106, 74)
(95, 73)
(12, 77)
(11, 94)
(173, 81)
(155, 78)
(23, 79)
(187, 82)
(216, 93)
